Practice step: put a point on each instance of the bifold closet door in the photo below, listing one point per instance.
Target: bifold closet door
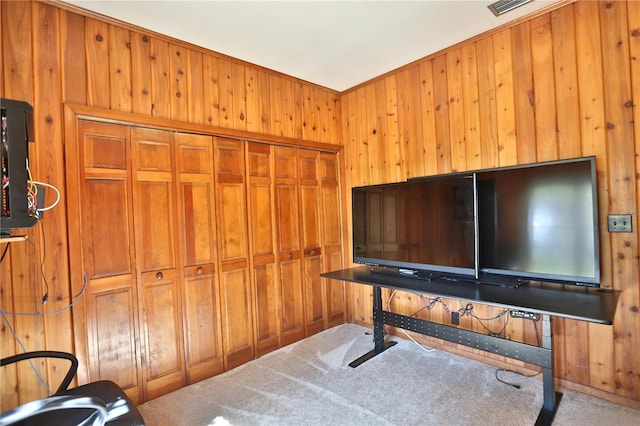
(289, 244)
(233, 252)
(197, 231)
(334, 291)
(160, 286)
(106, 319)
(262, 227)
(310, 223)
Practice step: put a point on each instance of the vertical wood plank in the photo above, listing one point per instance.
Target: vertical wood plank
(592, 130)
(252, 91)
(50, 168)
(379, 161)
(417, 148)
(160, 79)
(275, 101)
(633, 15)
(295, 112)
(622, 199)
(427, 110)
(576, 337)
(456, 111)
(97, 46)
(470, 101)
(291, 109)
(309, 123)
(195, 87)
(178, 66)
(507, 150)
(487, 103)
(564, 61)
(239, 97)
(361, 153)
(395, 159)
(17, 68)
(325, 114)
(543, 86)
(74, 85)
(263, 112)
(409, 103)
(141, 73)
(16, 28)
(211, 98)
(441, 97)
(524, 93)
(225, 93)
(120, 69)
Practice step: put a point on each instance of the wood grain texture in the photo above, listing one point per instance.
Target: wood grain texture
(559, 85)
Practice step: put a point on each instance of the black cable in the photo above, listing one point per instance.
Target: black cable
(4, 252)
(45, 297)
(515, 385)
(57, 311)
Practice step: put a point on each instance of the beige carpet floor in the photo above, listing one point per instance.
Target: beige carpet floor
(310, 383)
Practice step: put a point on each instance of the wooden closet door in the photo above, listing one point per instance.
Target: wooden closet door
(331, 225)
(288, 243)
(235, 282)
(105, 230)
(263, 252)
(160, 286)
(197, 232)
(310, 217)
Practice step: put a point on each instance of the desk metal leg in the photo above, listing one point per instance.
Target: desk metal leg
(551, 398)
(378, 331)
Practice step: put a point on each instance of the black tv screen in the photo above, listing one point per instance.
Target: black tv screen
(418, 225)
(540, 222)
(497, 226)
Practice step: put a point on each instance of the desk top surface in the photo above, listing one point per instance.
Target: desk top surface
(596, 305)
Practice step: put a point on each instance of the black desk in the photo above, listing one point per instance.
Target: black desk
(547, 299)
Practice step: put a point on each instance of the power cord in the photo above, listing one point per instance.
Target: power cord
(4, 314)
(428, 307)
(517, 385)
(57, 311)
(24, 349)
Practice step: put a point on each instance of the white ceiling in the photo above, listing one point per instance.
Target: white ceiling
(336, 44)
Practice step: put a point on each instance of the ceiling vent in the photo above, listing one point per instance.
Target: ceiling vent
(504, 6)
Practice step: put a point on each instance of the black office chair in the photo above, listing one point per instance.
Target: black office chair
(97, 403)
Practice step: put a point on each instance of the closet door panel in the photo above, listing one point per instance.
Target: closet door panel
(203, 338)
(112, 331)
(232, 213)
(105, 229)
(235, 282)
(164, 369)
(332, 238)
(263, 256)
(202, 325)
(156, 256)
(289, 244)
(155, 224)
(292, 301)
(110, 251)
(267, 311)
(237, 318)
(198, 230)
(312, 252)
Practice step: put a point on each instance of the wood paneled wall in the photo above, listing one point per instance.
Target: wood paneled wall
(563, 84)
(53, 54)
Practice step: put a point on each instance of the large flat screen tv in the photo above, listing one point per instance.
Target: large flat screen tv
(498, 226)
